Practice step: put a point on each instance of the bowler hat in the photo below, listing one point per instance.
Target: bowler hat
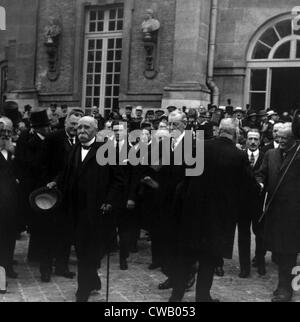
(45, 200)
(39, 119)
(11, 110)
(251, 113)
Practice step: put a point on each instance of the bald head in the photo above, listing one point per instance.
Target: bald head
(228, 128)
(87, 129)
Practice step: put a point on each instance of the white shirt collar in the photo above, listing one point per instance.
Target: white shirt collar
(255, 153)
(276, 145)
(4, 153)
(90, 142)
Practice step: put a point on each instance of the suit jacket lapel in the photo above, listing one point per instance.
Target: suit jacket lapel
(91, 155)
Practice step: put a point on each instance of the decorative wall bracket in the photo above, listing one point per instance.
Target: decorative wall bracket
(52, 41)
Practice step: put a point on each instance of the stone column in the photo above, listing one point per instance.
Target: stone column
(188, 87)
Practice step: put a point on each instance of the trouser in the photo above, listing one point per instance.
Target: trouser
(7, 244)
(286, 263)
(260, 251)
(244, 243)
(55, 243)
(126, 225)
(206, 269)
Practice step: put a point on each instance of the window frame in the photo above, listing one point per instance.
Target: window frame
(104, 35)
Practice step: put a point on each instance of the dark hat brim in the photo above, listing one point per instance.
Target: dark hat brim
(45, 200)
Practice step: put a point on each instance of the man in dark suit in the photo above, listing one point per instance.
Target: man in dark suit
(255, 157)
(56, 237)
(89, 194)
(31, 167)
(210, 213)
(282, 224)
(8, 199)
(171, 178)
(125, 212)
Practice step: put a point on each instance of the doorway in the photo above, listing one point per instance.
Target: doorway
(285, 89)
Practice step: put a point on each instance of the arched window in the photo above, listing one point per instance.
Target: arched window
(274, 57)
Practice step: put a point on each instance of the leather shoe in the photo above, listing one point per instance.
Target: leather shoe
(282, 297)
(261, 270)
(166, 285)
(190, 283)
(46, 277)
(219, 271)
(65, 273)
(245, 273)
(123, 265)
(82, 297)
(11, 274)
(208, 300)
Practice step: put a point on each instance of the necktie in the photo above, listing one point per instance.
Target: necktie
(86, 147)
(252, 160)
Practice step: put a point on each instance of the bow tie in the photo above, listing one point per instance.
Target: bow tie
(86, 147)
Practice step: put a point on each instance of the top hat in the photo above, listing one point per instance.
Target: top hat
(159, 112)
(150, 112)
(11, 111)
(39, 119)
(45, 200)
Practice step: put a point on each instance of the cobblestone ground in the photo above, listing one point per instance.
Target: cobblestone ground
(138, 284)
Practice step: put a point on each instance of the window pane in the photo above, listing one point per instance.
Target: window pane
(89, 79)
(91, 56)
(92, 15)
(97, 79)
(120, 25)
(90, 68)
(117, 79)
(116, 91)
(111, 43)
(100, 26)
(108, 103)
(283, 51)
(269, 37)
(100, 14)
(261, 51)
(112, 14)
(96, 102)
(118, 55)
(120, 13)
(298, 49)
(91, 44)
(88, 102)
(118, 43)
(112, 26)
(97, 91)
(89, 91)
(98, 68)
(258, 79)
(109, 79)
(92, 26)
(257, 101)
(117, 67)
(109, 67)
(110, 55)
(98, 55)
(108, 91)
(99, 44)
(284, 28)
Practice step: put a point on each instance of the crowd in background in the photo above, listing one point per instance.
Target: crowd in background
(40, 145)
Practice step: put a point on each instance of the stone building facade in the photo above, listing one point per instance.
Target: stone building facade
(204, 51)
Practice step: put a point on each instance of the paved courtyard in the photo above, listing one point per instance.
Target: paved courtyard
(138, 284)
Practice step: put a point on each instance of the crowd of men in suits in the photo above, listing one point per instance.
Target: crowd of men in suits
(249, 156)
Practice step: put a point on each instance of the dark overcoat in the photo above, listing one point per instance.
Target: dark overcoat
(282, 221)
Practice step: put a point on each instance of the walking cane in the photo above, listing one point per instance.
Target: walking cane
(279, 184)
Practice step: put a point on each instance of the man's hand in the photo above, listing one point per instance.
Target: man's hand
(130, 204)
(52, 185)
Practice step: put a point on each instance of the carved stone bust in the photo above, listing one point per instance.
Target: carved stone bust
(52, 31)
(150, 24)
